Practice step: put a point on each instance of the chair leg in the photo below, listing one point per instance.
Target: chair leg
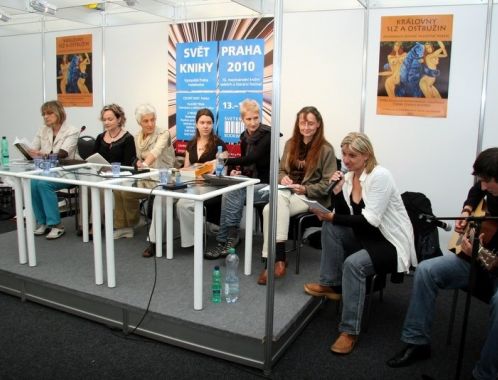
(298, 244)
(369, 304)
(452, 317)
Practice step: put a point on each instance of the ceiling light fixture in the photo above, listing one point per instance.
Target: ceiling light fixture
(43, 6)
(4, 16)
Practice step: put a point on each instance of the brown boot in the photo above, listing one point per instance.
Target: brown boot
(318, 290)
(263, 276)
(344, 344)
(280, 269)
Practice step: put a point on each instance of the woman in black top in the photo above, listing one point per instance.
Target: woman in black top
(115, 144)
(202, 148)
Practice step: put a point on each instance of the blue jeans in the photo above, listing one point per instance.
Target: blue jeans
(345, 263)
(232, 205)
(447, 272)
(45, 203)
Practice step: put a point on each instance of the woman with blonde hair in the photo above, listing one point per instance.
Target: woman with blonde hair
(368, 232)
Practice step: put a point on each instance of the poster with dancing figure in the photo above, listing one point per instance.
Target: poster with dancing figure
(414, 65)
(74, 70)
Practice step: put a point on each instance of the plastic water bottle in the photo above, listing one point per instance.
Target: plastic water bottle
(5, 151)
(216, 285)
(220, 161)
(232, 277)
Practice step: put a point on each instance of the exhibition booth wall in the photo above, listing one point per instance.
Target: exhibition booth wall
(322, 65)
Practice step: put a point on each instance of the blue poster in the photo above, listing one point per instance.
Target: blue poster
(230, 125)
(241, 65)
(187, 106)
(196, 66)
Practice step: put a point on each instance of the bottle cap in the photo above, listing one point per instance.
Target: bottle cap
(231, 250)
(216, 267)
(219, 148)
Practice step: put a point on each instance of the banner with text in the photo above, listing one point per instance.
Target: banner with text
(414, 65)
(218, 70)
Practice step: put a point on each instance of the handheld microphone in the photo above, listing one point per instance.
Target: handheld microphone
(333, 184)
(438, 223)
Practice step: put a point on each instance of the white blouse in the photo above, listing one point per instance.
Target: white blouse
(385, 210)
(66, 139)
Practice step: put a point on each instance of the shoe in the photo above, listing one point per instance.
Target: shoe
(318, 290)
(263, 277)
(55, 233)
(126, 232)
(217, 252)
(280, 269)
(410, 354)
(42, 229)
(344, 344)
(150, 250)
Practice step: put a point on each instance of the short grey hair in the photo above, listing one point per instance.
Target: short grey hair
(142, 110)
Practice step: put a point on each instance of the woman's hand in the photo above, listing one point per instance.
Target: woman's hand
(34, 153)
(286, 181)
(322, 215)
(235, 172)
(298, 189)
(339, 177)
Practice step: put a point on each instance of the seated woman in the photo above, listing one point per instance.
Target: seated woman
(307, 164)
(55, 137)
(202, 148)
(115, 144)
(369, 232)
(153, 149)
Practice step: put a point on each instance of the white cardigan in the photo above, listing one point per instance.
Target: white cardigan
(384, 209)
(66, 139)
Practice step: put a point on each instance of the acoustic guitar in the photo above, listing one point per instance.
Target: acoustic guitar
(486, 257)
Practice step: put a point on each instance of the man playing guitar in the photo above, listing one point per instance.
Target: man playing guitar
(451, 272)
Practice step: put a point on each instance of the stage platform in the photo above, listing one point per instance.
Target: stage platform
(64, 279)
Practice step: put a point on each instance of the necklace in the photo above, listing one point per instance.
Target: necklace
(116, 135)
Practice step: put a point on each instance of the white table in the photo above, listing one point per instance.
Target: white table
(197, 193)
(84, 175)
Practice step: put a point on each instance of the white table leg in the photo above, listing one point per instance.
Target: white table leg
(198, 251)
(169, 227)
(21, 232)
(84, 212)
(97, 237)
(109, 239)
(30, 222)
(158, 217)
(249, 232)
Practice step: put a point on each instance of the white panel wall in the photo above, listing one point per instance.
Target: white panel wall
(434, 155)
(322, 66)
(21, 90)
(136, 69)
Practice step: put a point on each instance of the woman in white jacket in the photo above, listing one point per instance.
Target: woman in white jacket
(368, 232)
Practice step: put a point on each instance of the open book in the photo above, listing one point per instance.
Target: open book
(313, 204)
(23, 146)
